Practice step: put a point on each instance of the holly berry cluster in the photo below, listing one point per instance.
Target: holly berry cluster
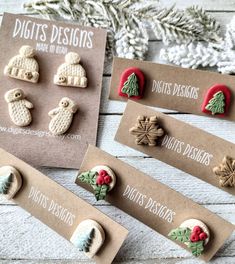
(198, 234)
(103, 178)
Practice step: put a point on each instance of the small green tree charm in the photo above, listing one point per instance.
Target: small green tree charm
(5, 183)
(216, 104)
(131, 87)
(85, 240)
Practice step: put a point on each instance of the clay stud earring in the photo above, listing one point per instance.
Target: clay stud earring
(101, 178)
(226, 172)
(23, 66)
(62, 116)
(193, 233)
(217, 100)
(132, 83)
(10, 181)
(71, 73)
(18, 107)
(88, 237)
(147, 131)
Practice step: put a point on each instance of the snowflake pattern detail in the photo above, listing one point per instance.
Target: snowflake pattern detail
(147, 131)
(226, 172)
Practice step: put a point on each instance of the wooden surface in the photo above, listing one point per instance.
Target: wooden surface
(25, 240)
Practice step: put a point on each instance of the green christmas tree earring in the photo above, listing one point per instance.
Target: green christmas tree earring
(10, 181)
(217, 100)
(132, 83)
(88, 237)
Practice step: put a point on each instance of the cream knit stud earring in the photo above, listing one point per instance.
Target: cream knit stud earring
(62, 116)
(71, 73)
(23, 66)
(18, 107)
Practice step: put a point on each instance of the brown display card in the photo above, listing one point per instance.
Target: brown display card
(52, 40)
(172, 87)
(45, 200)
(139, 196)
(185, 147)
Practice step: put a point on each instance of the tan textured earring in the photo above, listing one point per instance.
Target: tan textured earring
(62, 116)
(23, 66)
(71, 73)
(18, 107)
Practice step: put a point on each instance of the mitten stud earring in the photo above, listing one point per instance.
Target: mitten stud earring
(23, 66)
(71, 73)
(18, 107)
(62, 116)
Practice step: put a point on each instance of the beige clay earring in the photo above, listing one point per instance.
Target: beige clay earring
(18, 107)
(10, 181)
(71, 73)
(88, 237)
(62, 116)
(23, 66)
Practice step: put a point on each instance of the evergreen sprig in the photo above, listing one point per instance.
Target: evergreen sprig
(127, 22)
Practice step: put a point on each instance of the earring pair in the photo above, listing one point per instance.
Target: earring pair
(25, 67)
(19, 112)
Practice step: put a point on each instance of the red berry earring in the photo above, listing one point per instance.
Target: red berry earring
(101, 178)
(131, 83)
(217, 100)
(193, 233)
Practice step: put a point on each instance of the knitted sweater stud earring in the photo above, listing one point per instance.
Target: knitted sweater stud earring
(71, 73)
(23, 66)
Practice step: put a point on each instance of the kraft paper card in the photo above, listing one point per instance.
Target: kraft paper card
(182, 146)
(175, 88)
(52, 41)
(60, 209)
(154, 203)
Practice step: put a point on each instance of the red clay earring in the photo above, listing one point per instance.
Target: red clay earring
(217, 100)
(101, 178)
(131, 83)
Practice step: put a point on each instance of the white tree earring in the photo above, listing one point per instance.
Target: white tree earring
(10, 181)
(88, 237)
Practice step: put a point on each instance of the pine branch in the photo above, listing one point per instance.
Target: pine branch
(172, 25)
(127, 21)
(210, 26)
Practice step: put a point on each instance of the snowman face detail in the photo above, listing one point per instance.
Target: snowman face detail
(64, 103)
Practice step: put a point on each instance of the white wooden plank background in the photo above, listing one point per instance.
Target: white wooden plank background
(25, 240)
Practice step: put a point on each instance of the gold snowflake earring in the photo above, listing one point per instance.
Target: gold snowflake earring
(147, 131)
(226, 172)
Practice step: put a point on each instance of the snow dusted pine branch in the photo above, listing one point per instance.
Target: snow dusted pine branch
(127, 22)
(202, 54)
(192, 55)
